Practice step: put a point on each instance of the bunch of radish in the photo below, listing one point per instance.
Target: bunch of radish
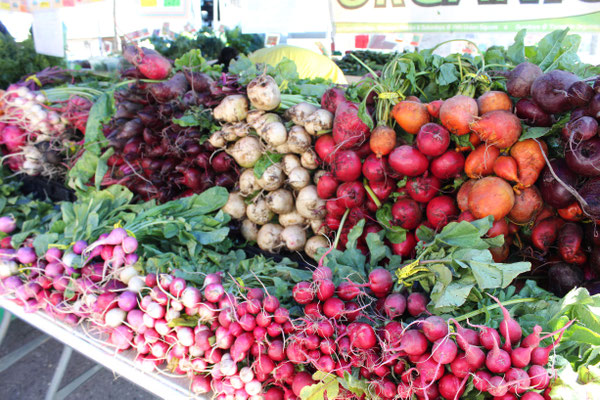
(284, 188)
(31, 132)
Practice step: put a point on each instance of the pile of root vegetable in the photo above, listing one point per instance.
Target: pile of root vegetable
(450, 226)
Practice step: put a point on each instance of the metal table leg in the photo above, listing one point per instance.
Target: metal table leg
(4, 325)
(63, 362)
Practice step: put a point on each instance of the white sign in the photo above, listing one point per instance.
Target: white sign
(371, 16)
(48, 34)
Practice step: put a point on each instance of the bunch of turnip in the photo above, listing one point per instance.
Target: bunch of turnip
(33, 133)
(284, 188)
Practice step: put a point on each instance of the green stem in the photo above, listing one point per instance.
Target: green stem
(339, 231)
(494, 306)
(371, 194)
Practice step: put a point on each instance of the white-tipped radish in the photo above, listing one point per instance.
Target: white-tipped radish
(232, 108)
(280, 201)
(114, 317)
(246, 151)
(291, 218)
(248, 183)
(319, 122)
(272, 178)
(258, 212)
(269, 237)
(298, 178)
(298, 113)
(136, 284)
(289, 162)
(246, 374)
(274, 134)
(235, 206)
(294, 237)
(309, 159)
(249, 230)
(8, 268)
(313, 245)
(126, 274)
(264, 93)
(309, 205)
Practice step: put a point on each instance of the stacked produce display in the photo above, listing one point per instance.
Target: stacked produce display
(441, 214)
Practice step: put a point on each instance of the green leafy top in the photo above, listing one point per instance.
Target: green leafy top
(194, 61)
(456, 265)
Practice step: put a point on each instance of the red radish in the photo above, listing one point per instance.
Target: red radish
(394, 305)
(497, 360)
(273, 393)
(313, 310)
(405, 249)
(451, 387)
(333, 308)
(533, 339)
(517, 380)
(423, 188)
(406, 213)
(465, 336)
(488, 337)
(434, 328)
(448, 165)
(351, 194)
(413, 342)
(440, 211)
(327, 186)
(362, 336)
(509, 328)
(374, 169)
(347, 290)
(497, 386)
(346, 166)
(383, 189)
(302, 293)
(325, 289)
(532, 396)
(335, 208)
(481, 380)
(380, 282)
(281, 315)
(460, 367)
(444, 350)
(433, 139)
(301, 379)
(521, 356)
(213, 292)
(416, 303)
(270, 303)
(348, 128)
(325, 148)
(407, 160)
(429, 369)
(325, 328)
(322, 272)
(538, 377)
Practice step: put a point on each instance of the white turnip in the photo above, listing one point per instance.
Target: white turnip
(319, 122)
(294, 237)
(258, 212)
(246, 151)
(280, 201)
(274, 134)
(217, 139)
(318, 227)
(272, 178)
(291, 218)
(253, 116)
(298, 140)
(232, 108)
(309, 205)
(249, 230)
(269, 237)
(235, 206)
(298, 113)
(248, 183)
(309, 159)
(289, 162)
(298, 178)
(264, 93)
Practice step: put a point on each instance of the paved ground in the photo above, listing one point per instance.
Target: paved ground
(29, 378)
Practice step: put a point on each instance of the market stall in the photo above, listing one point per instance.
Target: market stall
(427, 231)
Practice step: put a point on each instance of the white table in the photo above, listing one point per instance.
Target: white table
(122, 363)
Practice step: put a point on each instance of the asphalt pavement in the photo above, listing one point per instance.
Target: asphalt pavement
(30, 377)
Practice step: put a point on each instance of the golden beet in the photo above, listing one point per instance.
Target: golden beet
(491, 196)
